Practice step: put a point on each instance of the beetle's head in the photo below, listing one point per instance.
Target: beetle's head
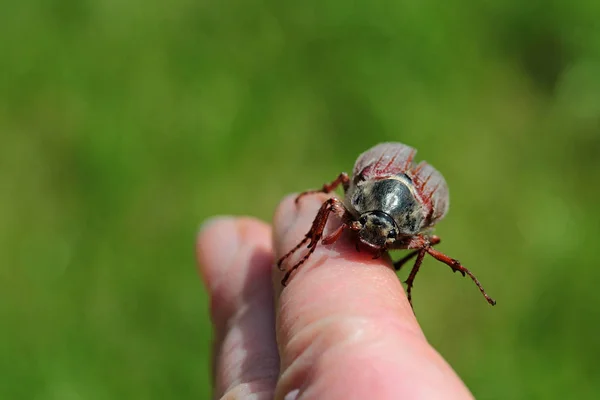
(376, 229)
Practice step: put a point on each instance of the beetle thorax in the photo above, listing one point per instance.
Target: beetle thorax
(394, 196)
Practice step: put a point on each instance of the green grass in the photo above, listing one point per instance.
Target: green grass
(124, 124)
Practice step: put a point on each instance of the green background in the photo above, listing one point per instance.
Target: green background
(124, 124)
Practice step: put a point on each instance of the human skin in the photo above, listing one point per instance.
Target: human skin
(341, 329)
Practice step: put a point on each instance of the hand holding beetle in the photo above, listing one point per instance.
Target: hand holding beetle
(342, 329)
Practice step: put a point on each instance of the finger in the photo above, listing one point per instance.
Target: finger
(235, 258)
(344, 326)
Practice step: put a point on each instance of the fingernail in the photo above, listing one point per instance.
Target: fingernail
(293, 395)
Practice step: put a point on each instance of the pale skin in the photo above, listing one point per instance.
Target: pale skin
(341, 329)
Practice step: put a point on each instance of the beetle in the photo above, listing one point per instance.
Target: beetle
(390, 203)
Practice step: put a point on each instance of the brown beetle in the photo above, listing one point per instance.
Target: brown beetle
(391, 203)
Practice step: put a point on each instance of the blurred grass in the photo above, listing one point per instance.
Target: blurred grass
(125, 124)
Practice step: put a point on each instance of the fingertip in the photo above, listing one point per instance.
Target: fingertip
(220, 239)
(214, 235)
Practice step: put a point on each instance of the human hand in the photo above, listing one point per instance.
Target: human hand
(341, 329)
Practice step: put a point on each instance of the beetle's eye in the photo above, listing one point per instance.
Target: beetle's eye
(392, 234)
(363, 220)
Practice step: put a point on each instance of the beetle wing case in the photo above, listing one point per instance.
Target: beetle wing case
(432, 188)
(388, 159)
(385, 159)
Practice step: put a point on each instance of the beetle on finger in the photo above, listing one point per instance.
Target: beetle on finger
(390, 203)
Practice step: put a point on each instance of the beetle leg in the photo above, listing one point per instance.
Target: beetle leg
(433, 240)
(292, 251)
(413, 273)
(314, 234)
(342, 179)
(335, 235)
(398, 264)
(457, 266)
